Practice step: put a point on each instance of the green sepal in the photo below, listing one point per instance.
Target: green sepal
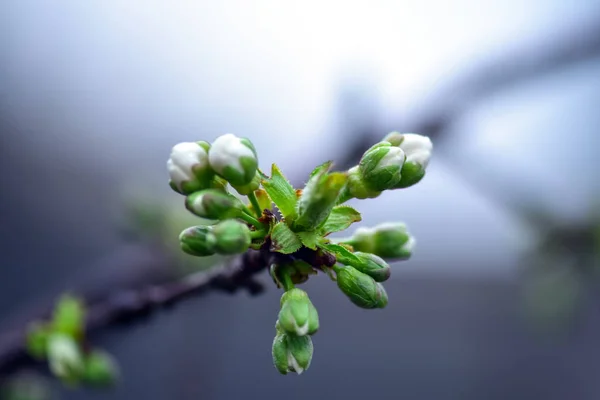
(283, 240)
(280, 353)
(340, 218)
(412, 173)
(300, 352)
(309, 239)
(298, 316)
(282, 193)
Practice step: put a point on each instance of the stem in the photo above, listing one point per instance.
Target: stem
(255, 204)
(344, 196)
(252, 221)
(259, 234)
(286, 279)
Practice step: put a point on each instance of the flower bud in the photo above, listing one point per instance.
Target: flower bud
(64, 357)
(298, 316)
(198, 241)
(387, 240)
(188, 167)
(232, 237)
(234, 159)
(418, 152)
(373, 266)
(356, 186)
(380, 166)
(318, 198)
(361, 289)
(213, 204)
(100, 369)
(292, 353)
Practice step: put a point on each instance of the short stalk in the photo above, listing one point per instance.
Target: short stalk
(255, 204)
(252, 221)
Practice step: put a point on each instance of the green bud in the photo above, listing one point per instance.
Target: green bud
(232, 237)
(418, 152)
(387, 240)
(292, 353)
(213, 204)
(65, 358)
(360, 288)
(36, 339)
(380, 166)
(250, 187)
(357, 187)
(318, 199)
(188, 167)
(298, 316)
(234, 159)
(100, 369)
(69, 316)
(198, 241)
(373, 266)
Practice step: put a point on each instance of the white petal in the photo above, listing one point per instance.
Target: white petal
(227, 150)
(395, 156)
(185, 156)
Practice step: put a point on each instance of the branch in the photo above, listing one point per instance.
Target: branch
(127, 306)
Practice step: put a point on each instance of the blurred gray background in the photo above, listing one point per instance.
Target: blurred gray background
(500, 298)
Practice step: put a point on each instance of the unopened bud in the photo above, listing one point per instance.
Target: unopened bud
(232, 237)
(373, 266)
(213, 204)
(361, 289)
(387, 240)
(64, 358)
(188, 167)
(292, 353)
(418, 150)
(198, 241)
(100, 369)
(298, 316)
(234, 159)
(380, 166)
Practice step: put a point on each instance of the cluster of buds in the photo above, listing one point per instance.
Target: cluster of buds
(397, 162)
(61, 341)
(202, 172)
(296, 237)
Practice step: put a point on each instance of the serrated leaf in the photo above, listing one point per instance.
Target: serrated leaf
(342, 254)
(309, 239)
(340, 218)
(326, 166)
(284, 240)
(264, 201)
(282, 193)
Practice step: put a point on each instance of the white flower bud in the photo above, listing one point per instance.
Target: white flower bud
(64, 356)
(417, 148)
(234, 159)
(188, 167)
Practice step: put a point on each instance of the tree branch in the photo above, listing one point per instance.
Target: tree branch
(127, 306)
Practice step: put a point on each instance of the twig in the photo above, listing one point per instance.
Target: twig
(128, 306)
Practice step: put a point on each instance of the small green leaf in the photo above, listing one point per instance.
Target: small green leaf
(326, 166)
(284, 240)
(37, 339)
(342, 254)
(69, 316)
(341, 218)
(282, 193)
(264, 201)
(309, 239)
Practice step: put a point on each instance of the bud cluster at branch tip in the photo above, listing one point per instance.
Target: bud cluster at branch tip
(291, 226)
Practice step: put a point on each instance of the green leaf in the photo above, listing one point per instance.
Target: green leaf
(69, 316)
(264, 201)
(341, 218)
(342, 254)
(284, 240)
(326, 166)
(309, 239)
(282, 193)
